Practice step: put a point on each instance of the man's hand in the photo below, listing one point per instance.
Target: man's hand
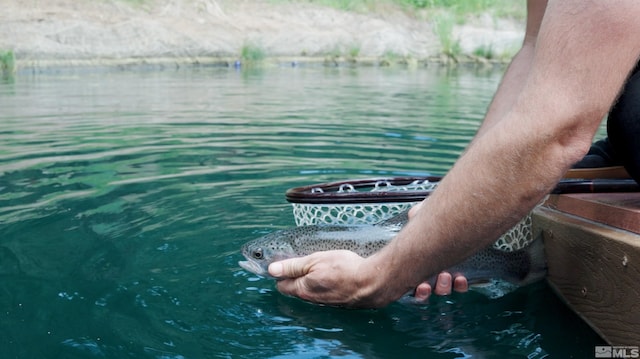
(333, 278)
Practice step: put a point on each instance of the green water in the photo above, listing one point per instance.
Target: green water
(125, 196)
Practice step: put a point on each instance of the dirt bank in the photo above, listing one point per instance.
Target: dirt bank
(98, 32)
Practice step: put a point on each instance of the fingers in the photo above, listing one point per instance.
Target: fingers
(286, 272)
(460, 284)
(288, 268)
(331, 278)
(290, 274)
(297, 278)
(422, 293)
(443, 286)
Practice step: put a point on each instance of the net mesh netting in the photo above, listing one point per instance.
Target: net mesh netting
(373, 212)
(346, 214)
(357, 213)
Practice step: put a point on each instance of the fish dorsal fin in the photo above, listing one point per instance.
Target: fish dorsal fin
(396, 221)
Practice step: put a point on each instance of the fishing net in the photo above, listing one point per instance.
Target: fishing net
(359, 201)
(370, 201)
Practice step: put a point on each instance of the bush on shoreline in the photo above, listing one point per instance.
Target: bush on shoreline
(7, 64)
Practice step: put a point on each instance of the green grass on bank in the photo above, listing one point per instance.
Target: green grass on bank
(497, 8)
(252, 54)
(443, 14)
(7, 63)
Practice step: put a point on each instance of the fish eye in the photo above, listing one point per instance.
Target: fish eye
(257, 254)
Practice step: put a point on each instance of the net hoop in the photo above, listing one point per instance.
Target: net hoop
(368, 201)
(370, 190)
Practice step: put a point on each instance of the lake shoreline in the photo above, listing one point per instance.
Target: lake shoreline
(182, 33)
(46, 65)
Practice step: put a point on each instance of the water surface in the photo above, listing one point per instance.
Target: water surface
(125, 196)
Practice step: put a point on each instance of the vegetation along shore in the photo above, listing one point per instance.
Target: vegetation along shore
(37, 35)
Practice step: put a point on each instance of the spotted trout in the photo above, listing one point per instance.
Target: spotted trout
(519, 267)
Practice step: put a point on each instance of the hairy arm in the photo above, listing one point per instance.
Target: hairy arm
(582, 56)
(583, 53)
(504, 98)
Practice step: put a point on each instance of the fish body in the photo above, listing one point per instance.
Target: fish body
(518, 267)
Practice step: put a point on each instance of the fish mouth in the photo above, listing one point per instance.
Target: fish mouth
(253, 267)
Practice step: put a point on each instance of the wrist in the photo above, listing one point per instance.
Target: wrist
(379, 282)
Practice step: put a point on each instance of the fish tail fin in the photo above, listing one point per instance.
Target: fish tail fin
(537, 260)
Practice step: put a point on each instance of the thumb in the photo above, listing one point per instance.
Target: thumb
(288, 268)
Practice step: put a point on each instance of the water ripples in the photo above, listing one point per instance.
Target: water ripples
(124, 198)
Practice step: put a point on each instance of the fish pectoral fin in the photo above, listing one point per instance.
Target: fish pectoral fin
(480, 283)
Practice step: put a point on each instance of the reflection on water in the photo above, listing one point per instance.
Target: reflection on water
(124, 198)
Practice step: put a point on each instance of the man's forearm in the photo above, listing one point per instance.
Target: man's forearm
(509, 88)
(516, 74)
(475, 203)
(521, 156)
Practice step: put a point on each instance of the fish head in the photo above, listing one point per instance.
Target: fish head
(265, 250)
